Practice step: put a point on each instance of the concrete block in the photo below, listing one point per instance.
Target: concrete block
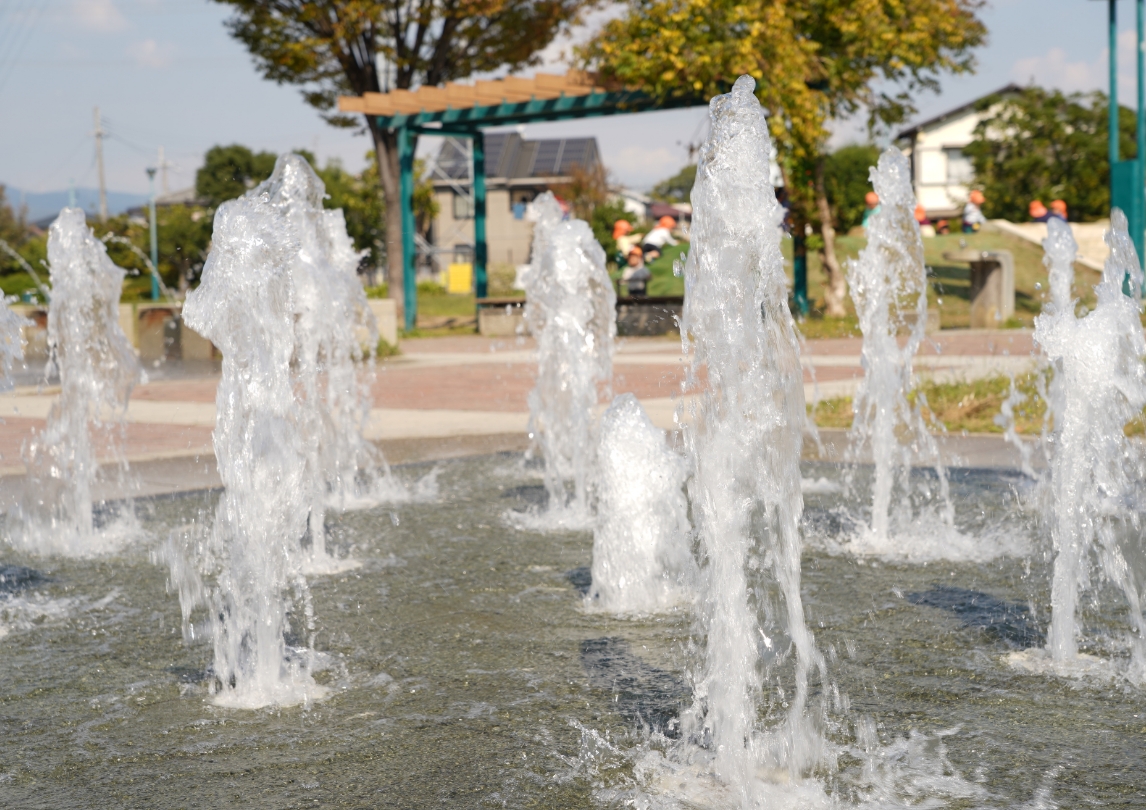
(507, 321)
(194, 346)
(386, 314)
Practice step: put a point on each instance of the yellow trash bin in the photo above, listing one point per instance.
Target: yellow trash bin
(460, 278)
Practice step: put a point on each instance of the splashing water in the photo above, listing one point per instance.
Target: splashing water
(641, 557)
(248, 305)
(745, 490)
(11, 343)
(571, 313)
(97, 370)
(1103, 385)
(889, 286)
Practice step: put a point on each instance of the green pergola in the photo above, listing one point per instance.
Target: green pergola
(466, 111)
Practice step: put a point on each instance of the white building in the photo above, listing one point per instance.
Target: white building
(941, 172)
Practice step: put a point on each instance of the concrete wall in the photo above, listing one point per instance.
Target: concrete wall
(157, 331)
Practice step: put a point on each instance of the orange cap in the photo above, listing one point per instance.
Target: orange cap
(977, 197)
(666, 222)
(622, 227)
(636, 251)
(920, 213)
(1037, 209)
(1059, 207)
(871, 199)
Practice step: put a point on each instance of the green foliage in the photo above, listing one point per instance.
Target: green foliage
(1046, 144)
(603, 218)
(677, 188)
(386, 349)
(230, 171)
(846, 181)
(431, 289)
(381, 291)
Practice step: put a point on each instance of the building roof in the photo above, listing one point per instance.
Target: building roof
(509, 156)
(962, 109)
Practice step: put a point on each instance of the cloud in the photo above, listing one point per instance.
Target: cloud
(1055, 69)
(98, 15)
(642, 167)
(149, 53)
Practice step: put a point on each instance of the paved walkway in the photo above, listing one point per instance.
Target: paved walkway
(469, 394)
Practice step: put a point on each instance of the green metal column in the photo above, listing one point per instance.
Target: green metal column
(1138, 222)
(481, 286)
(1113, 107)
(406, 192)
(800, 268)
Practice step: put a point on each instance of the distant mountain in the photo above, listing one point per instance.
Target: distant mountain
(45, 205)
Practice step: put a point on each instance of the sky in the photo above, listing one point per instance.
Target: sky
(166, 73)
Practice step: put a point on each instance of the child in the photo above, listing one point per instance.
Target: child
(973, 218)
(656, 239)
(636, 276)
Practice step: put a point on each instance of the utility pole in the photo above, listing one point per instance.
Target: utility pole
(99, 133)
(154, 240)
(163, 166)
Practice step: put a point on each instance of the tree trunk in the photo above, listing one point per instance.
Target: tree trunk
(389, 172)
(837, 286)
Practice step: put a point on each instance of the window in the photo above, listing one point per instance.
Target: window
(463, 206)
(959, 170)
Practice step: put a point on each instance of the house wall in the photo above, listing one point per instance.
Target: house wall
(942, 172)
(508, 239)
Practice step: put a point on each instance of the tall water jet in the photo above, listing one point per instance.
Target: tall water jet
(889, 287)
(745, 449)
(641, 557)
(335, 333)
(98, 370)
(1098, 359)
(248, 306)
(570, 311)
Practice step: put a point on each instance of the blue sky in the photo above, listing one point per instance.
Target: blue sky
(165, 73)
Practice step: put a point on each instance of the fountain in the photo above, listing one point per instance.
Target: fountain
(1100, 385)
(570, 312)
(248, 304)
(641, 557)
(889, 286)
(745, 449)
(97, 370)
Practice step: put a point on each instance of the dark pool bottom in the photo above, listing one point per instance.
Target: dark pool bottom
(462, 668)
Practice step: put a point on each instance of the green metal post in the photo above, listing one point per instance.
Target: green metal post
(480, 248)
(154, 239)
(406, 192)
(1113, 112)
(1138, 223)
(800, 268)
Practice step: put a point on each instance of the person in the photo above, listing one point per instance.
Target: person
(926, 229)
(636, 276)
(871, 207)
(625, 238)
(1038, 211)
(973, 218)
(1058, 209)
(656, 239)
(942, 227)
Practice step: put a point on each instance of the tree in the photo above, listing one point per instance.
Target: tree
(846, 176)
(587, 193)
(335, 47)
(230, 171)
(677, 188)
(814, 60)
(1046, 145)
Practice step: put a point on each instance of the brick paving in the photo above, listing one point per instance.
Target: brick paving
(472, 375)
